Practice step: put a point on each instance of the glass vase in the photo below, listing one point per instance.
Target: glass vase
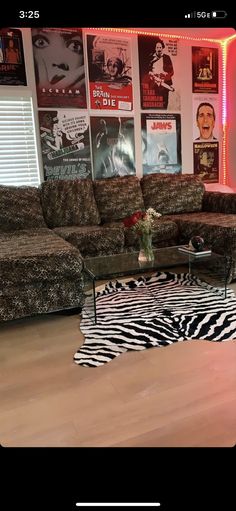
(146, 251)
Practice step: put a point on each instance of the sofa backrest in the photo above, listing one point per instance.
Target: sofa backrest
(170, 193)
(20, 208)
(118, 197)
(69, 202)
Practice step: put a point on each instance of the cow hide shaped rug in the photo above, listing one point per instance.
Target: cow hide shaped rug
(155, 311)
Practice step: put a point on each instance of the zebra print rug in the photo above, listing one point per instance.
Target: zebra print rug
(155, 311)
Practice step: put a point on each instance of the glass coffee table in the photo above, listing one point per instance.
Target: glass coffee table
(213, 269)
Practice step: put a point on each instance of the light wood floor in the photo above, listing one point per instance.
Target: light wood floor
(180, 395)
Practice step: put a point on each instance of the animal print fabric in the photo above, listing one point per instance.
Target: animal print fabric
(118, 197)
(169, 194)
(69, 203)
(94, 240)
(20, 208)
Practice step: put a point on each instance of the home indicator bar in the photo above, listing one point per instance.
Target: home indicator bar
(118, 504)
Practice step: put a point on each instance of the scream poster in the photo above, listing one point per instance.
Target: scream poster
(59, 67)
(65, 144)
(110, 73)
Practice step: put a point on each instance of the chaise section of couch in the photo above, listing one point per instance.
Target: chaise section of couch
(183, 199)
(39, 271)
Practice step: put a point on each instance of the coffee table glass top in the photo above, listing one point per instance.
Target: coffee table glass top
(103, 267)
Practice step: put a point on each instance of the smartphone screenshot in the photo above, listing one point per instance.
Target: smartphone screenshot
(117, 237)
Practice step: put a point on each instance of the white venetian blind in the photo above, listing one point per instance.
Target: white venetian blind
(18, 150)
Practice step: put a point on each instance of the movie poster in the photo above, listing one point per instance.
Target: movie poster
(205, 69)
(113, 146)
(206, 161)
(110, 73)
(12, 64)
(205, 118)
(65, 144)
(161, 139)
(59, 67)
(159, 68)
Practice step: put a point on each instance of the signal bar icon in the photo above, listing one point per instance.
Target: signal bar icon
(190, 15)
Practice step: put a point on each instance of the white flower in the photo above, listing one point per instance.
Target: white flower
(145, 224)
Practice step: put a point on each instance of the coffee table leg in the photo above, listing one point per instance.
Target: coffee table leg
(89, 307)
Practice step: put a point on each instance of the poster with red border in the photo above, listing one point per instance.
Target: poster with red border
(160, 70)
(110, 73)
(205, 69)
(12, 64)
(59, 67)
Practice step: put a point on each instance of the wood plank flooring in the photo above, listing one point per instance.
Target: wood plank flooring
(180, 395)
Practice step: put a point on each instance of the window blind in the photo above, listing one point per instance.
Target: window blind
(18, 150)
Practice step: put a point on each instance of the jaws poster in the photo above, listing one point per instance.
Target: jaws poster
(161, 141)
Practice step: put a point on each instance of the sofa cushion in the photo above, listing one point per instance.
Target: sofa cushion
(163, 231)
(219, 202)
(67, 202)
(217, 229)
(20, 208)
(118, 197)
(169, 193)
(94, 240)
(35, 256)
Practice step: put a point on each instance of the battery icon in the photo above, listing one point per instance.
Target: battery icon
(218, 14)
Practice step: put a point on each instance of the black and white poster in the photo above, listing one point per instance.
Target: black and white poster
(65, 144)
(161, 140)
(12, 64)
(113, 146)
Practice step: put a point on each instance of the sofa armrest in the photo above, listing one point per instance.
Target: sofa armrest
(219, 202)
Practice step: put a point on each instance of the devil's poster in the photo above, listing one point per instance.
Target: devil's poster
(65, 144)
(161, 143)
(110, 73)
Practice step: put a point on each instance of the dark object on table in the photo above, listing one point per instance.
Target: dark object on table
(197, 242)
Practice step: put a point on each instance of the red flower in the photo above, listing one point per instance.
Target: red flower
(130, 221)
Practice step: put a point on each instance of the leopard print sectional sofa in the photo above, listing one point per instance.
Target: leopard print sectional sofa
(46, 232)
